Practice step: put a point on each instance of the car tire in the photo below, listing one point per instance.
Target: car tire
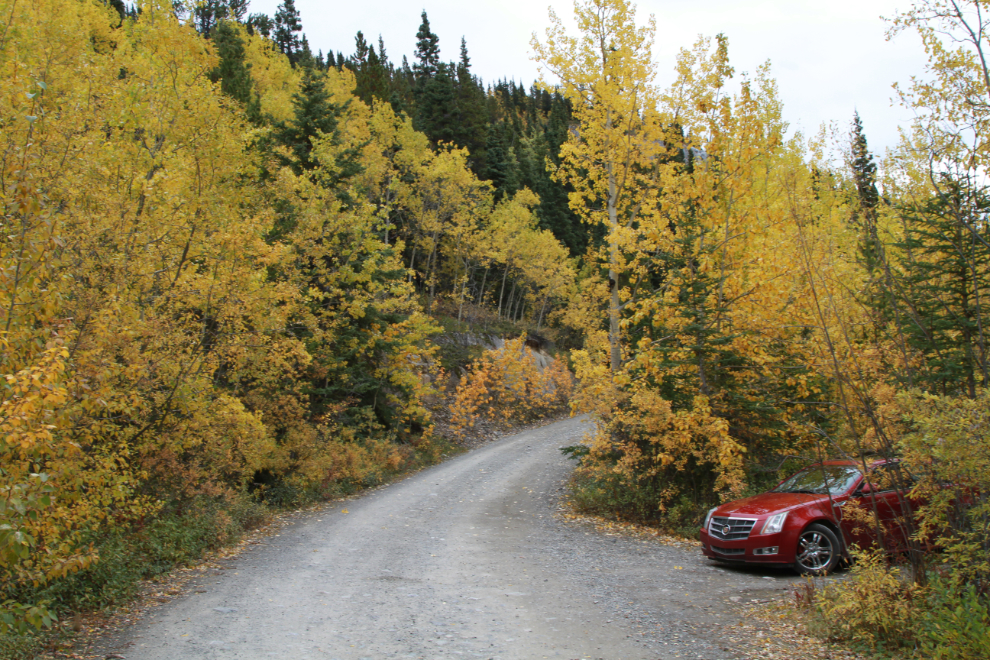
(818, 551)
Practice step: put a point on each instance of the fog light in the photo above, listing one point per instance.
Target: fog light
(766, 551)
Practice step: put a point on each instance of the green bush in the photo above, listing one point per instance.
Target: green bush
(955, 625)
(173, 538)
(613, 494)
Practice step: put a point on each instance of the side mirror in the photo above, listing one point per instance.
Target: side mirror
(865, 489)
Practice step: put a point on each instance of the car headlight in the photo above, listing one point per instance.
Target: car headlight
(708, 517)
(774, 524)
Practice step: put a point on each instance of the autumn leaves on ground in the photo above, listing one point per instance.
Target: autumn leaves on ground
(226, 265)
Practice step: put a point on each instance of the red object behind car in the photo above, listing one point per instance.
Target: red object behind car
(799, 523)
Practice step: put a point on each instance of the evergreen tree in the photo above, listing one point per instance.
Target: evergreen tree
(945, 286)
(314, 115)
(427, 51)
(373, 80)
(208, 13)
(304, 56)
(233, 73)
(403, 83)
(864, 169)
(436, 106)
(865, 177)
(502, 168)
(260, 24)
(472, 121)
(360, 57)
(286, 28)
(555, 211)
(382, 55)
(119, 6)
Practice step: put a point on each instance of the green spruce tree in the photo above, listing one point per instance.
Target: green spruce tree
(286, 29)
(437, 112)
(471, 130)
(314, 116)
(207, 14)
(945, 284)
(371, 71)
(233, 72)
(427, 51)
(502, 169)
(260, 24)
(864, 172)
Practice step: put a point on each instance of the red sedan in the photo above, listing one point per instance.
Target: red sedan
(799, 523)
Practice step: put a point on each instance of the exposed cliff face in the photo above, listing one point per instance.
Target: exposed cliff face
(469, 345)
(469, 339)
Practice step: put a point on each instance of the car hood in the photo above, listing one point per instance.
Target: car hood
(767, 503)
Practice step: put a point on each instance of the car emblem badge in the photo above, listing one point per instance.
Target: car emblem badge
(727, 529)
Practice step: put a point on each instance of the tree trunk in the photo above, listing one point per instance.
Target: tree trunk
(508, 304)
(481, 296)
(502, 290)
(412, 264)
(615, 361)
(539, 319)
(430, 267)
(467, 278)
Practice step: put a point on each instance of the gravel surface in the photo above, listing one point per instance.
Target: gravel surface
(468, 559)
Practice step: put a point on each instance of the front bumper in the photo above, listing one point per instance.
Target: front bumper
(757, 548)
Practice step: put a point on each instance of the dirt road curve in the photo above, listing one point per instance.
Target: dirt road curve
(464, 560)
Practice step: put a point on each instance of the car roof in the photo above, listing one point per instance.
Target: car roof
(853, 463)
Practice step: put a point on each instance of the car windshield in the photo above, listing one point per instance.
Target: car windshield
(820, 479)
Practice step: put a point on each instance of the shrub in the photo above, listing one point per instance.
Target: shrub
(879, 609)
(508, 384)
(875, 608)
(955, 624)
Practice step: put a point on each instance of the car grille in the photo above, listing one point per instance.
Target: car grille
(728, 551)
(739, 528)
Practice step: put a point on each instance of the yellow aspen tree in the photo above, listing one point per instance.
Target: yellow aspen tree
(275, 79)
(611, 157)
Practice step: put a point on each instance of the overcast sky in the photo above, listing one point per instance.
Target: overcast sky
(829, 58)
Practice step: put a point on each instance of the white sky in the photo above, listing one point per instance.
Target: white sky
(829, 58)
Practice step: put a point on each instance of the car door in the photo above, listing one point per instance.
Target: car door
(879, 495)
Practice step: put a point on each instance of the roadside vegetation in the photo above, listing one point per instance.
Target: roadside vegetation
(220, 273)
(760, 304)
(228, 265)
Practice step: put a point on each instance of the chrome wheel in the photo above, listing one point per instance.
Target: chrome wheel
(817, 550)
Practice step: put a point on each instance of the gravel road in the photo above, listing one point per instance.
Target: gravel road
(464, 560)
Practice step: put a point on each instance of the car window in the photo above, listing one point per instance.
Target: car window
(885, 477)
(821, 479)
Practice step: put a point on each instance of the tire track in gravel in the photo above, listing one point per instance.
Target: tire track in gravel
(463, 560)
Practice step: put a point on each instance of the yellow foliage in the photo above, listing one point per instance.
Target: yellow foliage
(876, 605)
(274, 77)
(947, 448)
(704, 360)
(160, 342)
(508, 386)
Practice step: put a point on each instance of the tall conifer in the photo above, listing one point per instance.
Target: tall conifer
(864, 172)
(427, 51)
(233, 72)
(472, 125)
(286, 29)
